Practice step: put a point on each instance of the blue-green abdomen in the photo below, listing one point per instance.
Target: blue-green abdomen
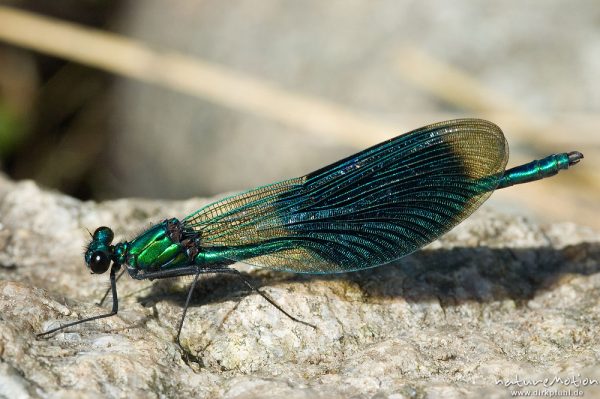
(535, 170)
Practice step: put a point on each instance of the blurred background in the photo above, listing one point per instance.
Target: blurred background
(104, 99)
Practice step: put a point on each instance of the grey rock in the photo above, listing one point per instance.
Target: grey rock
(497, 299)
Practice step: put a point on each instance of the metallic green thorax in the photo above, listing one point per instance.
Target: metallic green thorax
(154, 249)
(165, 246)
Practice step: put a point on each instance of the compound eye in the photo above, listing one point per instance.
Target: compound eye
(99, 262)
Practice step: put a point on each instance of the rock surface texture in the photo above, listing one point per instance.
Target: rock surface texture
(497, 302)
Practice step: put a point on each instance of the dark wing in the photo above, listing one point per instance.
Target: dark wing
(365, 210)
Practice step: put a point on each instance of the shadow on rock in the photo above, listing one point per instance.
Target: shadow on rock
(451, 276)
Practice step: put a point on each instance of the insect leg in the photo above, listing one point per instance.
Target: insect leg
(265, 296)
(185, 308)
(115, 305)
(110, 288)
